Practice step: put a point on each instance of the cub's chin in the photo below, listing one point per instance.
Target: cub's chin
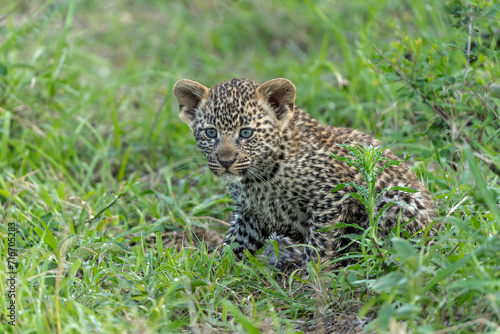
(234, 174)
(230, 178)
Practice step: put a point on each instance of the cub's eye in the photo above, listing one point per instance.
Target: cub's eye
(246, 133)
(211, 133)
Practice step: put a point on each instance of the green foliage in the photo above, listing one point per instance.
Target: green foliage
(399, 276)
(117, 228)
(454, 82)
(370, 162)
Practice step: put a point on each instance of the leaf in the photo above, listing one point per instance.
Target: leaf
(276, 248)
(82, 253)
(356, 196)
(74, 268)
(67, 243)
(47, 235)
(492, 12)
(159, 244)
(403, 248)
(384, 316)
(406, 310)
(5, 193)
(60, 190)
(339, 186)
(478, 284)
(388, 282)
(353, 280)
(38, 253)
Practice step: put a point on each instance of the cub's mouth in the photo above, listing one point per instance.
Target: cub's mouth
(228, 175)
(247, 174)
(229, 170)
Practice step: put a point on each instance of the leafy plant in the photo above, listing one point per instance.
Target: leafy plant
(370, 162)
(406, 286)
(454, 81)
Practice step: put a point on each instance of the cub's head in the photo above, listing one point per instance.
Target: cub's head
(238, 124)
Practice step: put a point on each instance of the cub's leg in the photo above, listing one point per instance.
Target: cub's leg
(246, 233)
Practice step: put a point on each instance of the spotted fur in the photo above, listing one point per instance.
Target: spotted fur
(281, 176)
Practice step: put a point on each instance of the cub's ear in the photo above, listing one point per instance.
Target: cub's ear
(189, 94)
(280, 95)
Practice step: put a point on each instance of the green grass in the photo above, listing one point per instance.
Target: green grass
(117, 223)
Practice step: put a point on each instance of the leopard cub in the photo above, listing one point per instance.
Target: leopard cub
(275, 160)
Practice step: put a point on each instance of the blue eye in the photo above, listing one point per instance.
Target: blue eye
(246, 133)
(211, 133)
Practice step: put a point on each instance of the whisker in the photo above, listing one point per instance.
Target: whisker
(202, 177)
(186, 166)
(196, 177)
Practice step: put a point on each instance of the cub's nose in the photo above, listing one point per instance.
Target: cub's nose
(225, 163)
